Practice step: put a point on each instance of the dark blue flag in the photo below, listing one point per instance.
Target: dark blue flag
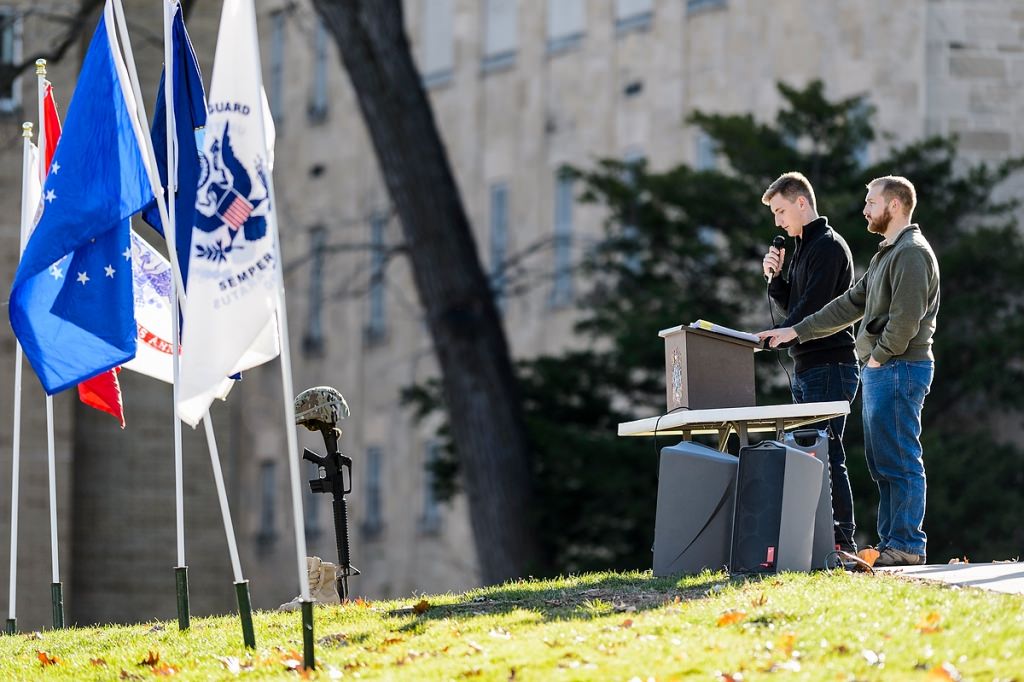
(189, 121)
(71, 304)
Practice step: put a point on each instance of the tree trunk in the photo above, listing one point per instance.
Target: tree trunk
(485, 409)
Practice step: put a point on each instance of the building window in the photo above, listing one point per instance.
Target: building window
(313, 339)
(438, 46)
(430, 521)
(373, 512)
(266, 535)
(500, 39)
(566, 24)
(276, 94)
(561, 293)
(634, 160)
(693, 6)
(376, 326)
(706, 152)
(633, 15)
(310, 508)
(499, 240)
(10, 55)
(318, 98)
(861, 112)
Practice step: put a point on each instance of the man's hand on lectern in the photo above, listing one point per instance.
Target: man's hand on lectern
(777, 337)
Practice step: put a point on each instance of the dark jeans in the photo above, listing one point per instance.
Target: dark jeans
(824, 383)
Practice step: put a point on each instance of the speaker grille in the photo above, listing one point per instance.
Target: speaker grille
(757, 522)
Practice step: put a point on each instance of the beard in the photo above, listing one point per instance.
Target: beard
(882, 224)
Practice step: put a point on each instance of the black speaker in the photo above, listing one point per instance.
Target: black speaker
(823, 546)
(777, 489)
(693, 526)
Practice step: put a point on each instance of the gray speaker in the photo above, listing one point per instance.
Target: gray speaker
(693, 525)
(815, 442)
(777, 489)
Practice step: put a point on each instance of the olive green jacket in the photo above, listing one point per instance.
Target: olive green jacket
(898, 299)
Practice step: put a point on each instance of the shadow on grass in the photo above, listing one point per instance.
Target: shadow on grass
(590, 598)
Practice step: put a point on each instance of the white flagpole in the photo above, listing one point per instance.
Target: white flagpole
(56, 589)
(129, 79)
(169, 233)
(288, 392)
(16, 445)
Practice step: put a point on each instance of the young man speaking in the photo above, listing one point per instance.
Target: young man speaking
(825, 368)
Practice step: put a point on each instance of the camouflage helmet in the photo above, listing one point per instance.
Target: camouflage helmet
(319, 406)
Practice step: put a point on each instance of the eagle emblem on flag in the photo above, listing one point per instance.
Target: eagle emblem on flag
(227, 203)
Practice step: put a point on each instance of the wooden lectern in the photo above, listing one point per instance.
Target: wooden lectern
(707, 370)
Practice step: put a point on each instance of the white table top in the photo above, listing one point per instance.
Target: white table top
(760, 418)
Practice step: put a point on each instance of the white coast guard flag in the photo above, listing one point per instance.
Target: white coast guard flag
(230, 322)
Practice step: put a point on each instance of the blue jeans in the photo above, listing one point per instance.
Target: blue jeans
(825, 383)
(893, 397)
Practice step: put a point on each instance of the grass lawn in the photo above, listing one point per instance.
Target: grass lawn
(601, 626)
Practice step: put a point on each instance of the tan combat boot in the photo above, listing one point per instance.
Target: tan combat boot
(322, 586)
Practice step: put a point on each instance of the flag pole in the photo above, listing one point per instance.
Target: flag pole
(56, 588)
(241, 584)
(129, 79)
(170, 232)
(181, 570)
(12, 622)
(287, 388)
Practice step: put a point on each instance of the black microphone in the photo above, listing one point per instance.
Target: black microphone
(778, 243)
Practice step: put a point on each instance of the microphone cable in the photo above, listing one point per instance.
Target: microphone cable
(778, 355)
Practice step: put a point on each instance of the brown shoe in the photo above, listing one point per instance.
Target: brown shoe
(890, 556)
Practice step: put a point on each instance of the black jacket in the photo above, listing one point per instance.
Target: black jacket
(820, 269)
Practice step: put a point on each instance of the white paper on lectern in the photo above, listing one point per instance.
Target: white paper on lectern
(725, 331)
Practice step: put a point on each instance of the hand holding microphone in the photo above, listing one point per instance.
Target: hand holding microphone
(773, 260)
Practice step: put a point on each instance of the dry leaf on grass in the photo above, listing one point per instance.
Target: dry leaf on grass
(151, 659)
(930, 624)
(786, 644)
(46, 659)
(291, 659)
(164, 670)
(944, 673)
(868, 555)
(421, 607)
(337, 639)
(760, 601)
(97, 662)
(731, 616)
(628, 623)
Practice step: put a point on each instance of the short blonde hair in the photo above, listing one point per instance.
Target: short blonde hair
(897, 187)
(791, 185)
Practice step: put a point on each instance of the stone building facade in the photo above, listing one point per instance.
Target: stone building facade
(519, 89)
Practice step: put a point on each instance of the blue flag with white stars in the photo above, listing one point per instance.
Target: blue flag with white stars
(71, 304)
